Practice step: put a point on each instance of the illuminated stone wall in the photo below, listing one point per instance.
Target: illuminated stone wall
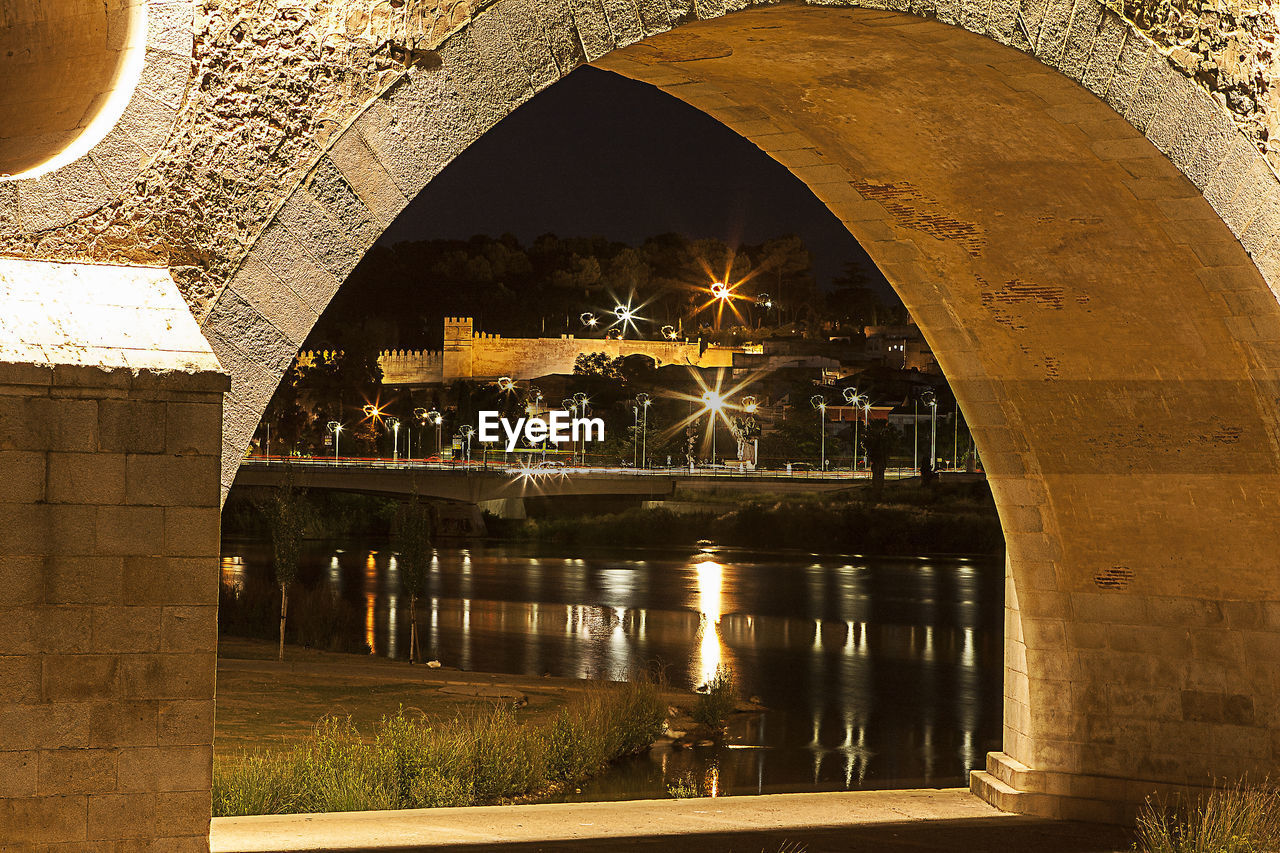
(477, 355)
(108, 558)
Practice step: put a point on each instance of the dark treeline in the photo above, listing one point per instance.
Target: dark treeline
(398, 293)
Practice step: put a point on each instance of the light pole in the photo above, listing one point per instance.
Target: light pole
(955, 438)
(915, 434)
(644, 401)
(571, 405)
(581, 399)
(713, 402)
(374, 414)
(750, 405)
(866, 414)
(931, 400)
(394, 423)
(335, 429)
(852, 397)
(635, 440)
(534, 404)
(467, 431)
(419, 415)
(820, 403)
(436, 418)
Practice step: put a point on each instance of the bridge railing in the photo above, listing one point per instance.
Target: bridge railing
(480, 466)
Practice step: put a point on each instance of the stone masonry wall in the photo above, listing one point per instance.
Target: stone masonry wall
(109, 518)
(271, 85)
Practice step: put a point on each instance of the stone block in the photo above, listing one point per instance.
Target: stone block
(177, 812)
(123, 816)
(166, 768)
(62, 629)
(190, 629)
(31, 821)
(193, 428)
(125, 723)
(130, 530)
(76, 771)
(81, 580)
(1104, 54)
(131, 426)
(86, 478)
(192, 531)
(170, 580)
(186, 723)
(126, 629)
(18, 774)
(44, 424)
(67, 678)
(44, 726)
(165, 480)
(19, 680)
(24, 476)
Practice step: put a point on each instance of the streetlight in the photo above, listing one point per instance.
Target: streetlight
(532, 405)
(866, 415)
(931, 400)
(820, 403)
(335, 429)
(569, 404)
(505, 384)
(713, 402)
(419, 415)
(644, 401)
(374, 414)
(856, 400)
(466, 432)
(394, 423)
(669, 332)
(588, 319)
(581, 401)
(434, 417)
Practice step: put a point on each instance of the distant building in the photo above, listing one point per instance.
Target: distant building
(902, 347)
(468, 354)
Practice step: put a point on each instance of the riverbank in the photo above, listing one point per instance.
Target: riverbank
(263, 702)
(315, 733)
(907, 520)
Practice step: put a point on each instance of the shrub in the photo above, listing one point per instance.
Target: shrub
(713, 707)
(1237, 819)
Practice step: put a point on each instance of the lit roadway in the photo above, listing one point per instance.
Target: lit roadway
(475, 482)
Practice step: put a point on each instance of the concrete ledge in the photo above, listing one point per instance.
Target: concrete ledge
(410, 829)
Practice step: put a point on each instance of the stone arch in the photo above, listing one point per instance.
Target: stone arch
(1089, 245)
(94, 104)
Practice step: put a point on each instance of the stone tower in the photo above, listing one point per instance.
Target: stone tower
(457, 348)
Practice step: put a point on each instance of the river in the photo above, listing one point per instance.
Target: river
(875, 673)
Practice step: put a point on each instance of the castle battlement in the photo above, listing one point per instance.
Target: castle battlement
(469, 354)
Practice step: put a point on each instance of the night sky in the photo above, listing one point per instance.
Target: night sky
(600, 155)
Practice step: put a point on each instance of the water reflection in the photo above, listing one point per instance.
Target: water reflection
(710, 581)
(875, 673)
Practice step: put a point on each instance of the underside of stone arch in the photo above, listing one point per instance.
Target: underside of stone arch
(1109, 337)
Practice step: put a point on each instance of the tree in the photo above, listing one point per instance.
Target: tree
(879, 439)
(415, 528)
(285, 511)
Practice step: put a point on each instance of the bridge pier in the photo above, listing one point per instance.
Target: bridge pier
(109, 523)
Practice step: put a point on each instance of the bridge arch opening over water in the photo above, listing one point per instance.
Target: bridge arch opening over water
(1110, 339)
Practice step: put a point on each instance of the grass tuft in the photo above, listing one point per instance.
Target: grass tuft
(412, 763)
(1241, 818)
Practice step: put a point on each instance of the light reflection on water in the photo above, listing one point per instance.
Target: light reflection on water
(876, 673)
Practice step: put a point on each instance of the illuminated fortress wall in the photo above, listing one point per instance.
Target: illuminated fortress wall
(476, 355)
